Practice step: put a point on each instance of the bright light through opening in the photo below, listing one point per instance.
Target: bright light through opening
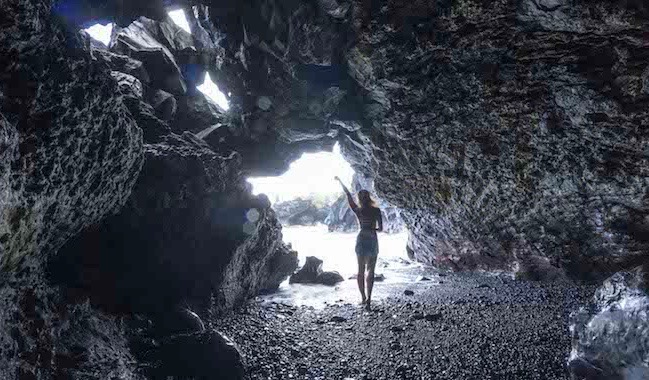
(100, 32)
(178, 17)
(312, 174)
(212, 91)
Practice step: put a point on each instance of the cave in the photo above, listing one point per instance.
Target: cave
(510, 138)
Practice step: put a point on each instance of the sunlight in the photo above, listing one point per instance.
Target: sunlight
(211, 90)
(100, 32)
(178, 17)
(313, 173)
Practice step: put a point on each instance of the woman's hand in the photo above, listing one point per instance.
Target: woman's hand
(337, 178)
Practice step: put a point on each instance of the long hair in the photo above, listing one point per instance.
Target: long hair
(365, 200)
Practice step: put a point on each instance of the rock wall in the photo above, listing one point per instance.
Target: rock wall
(341, 217)
(508, 133)
(610, 334)
(111, 225)
(505, 132)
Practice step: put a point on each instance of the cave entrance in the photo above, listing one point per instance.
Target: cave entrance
(317, 222)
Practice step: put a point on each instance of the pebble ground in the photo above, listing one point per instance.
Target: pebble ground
(455, 326)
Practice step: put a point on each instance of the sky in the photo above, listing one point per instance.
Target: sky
(313, 173)
(102, 33)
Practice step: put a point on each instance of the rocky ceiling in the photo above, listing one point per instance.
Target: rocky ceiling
(511, 134)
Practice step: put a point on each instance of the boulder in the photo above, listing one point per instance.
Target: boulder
(122, 63)
(200, 355)
(329, 278)
(611, 334)
(195, 113)
(139, 43)
(309, 272)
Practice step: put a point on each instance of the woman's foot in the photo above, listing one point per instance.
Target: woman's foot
(367, 305)
(364, 301)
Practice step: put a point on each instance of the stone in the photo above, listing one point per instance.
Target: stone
(309, 272)
(70, 153)
(264, 103)
(408, 292)
(610, 335)
(422, 278)
(417, 316)
(164, 104)
(433, 317)
(198, 355)
(338, 319)
(139, 43)
(329, 278)
(128, 84)
(121, 63)
(186, 196)
(195, 113)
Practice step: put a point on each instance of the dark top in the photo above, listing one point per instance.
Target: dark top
(367, 217)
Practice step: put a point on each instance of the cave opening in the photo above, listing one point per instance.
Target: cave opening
(317, 221)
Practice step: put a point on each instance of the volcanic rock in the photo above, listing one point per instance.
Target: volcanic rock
(342, 218)
(309, 272)
(69, 150)
(610, 336)
(198, 355)
(139, 43)
(303, 212)
(329, 278)
(164, 104)
(187, 196)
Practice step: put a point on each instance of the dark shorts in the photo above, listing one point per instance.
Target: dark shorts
(367, 244)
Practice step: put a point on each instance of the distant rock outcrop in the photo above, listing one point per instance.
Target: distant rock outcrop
(341, 218)
(301, 212)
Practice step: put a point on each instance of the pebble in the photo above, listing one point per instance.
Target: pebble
(508, 331)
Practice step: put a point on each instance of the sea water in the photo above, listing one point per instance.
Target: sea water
(336, 250)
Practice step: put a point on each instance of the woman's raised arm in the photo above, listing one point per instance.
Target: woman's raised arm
(350, 198)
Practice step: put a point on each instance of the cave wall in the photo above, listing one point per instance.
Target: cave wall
(116, 221)
(507, 132)
(510, 133)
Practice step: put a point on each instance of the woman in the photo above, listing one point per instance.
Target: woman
(367, 244)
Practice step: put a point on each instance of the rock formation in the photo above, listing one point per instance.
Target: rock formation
(312, 273)
(77, 122)
(301, 212)
(342, 218)
(610, 335)
(509, 134)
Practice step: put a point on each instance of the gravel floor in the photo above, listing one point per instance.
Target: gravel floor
(467, 326)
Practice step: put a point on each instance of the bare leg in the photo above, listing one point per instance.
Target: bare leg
(361, 276)
(371, 263)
